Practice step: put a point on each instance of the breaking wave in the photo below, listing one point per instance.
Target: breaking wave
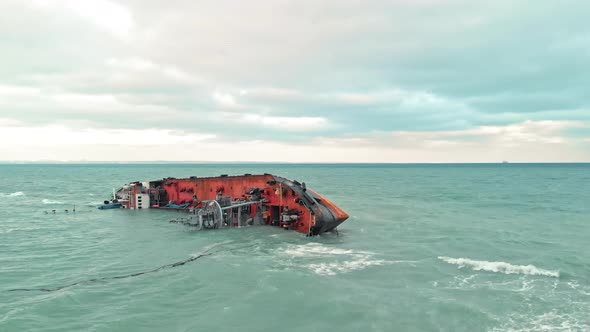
(48, 201)
(499, 267)
(15, 194)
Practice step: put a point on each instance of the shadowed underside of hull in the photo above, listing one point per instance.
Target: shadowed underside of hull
(235, 201)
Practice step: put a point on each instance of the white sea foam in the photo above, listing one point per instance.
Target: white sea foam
(575, 285)
(48, 201)
(318, 250)
(330, 269)
(329, 261)
(15, 194)
(550, 321)
(500, 267)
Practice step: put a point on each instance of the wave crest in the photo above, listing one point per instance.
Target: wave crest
(15, 194)
(499, 267)
(48, 201)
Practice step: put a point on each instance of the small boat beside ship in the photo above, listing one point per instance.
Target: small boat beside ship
(235, 201)
(110, 205)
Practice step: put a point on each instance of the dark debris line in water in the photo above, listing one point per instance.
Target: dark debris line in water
(136, 274)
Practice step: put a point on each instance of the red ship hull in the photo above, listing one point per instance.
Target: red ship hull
(234, 201)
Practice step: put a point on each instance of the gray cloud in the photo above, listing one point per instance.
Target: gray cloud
(269, 70)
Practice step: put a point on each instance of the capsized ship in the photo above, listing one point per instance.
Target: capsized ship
(235, 201)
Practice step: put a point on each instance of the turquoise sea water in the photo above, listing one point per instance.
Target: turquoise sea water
(427, 248)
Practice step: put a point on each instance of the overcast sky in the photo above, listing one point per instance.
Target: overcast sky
(295, 81)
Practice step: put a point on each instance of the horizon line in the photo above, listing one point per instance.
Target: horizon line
(50, 162)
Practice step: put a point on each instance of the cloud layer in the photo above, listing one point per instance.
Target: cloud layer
(341, 81)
